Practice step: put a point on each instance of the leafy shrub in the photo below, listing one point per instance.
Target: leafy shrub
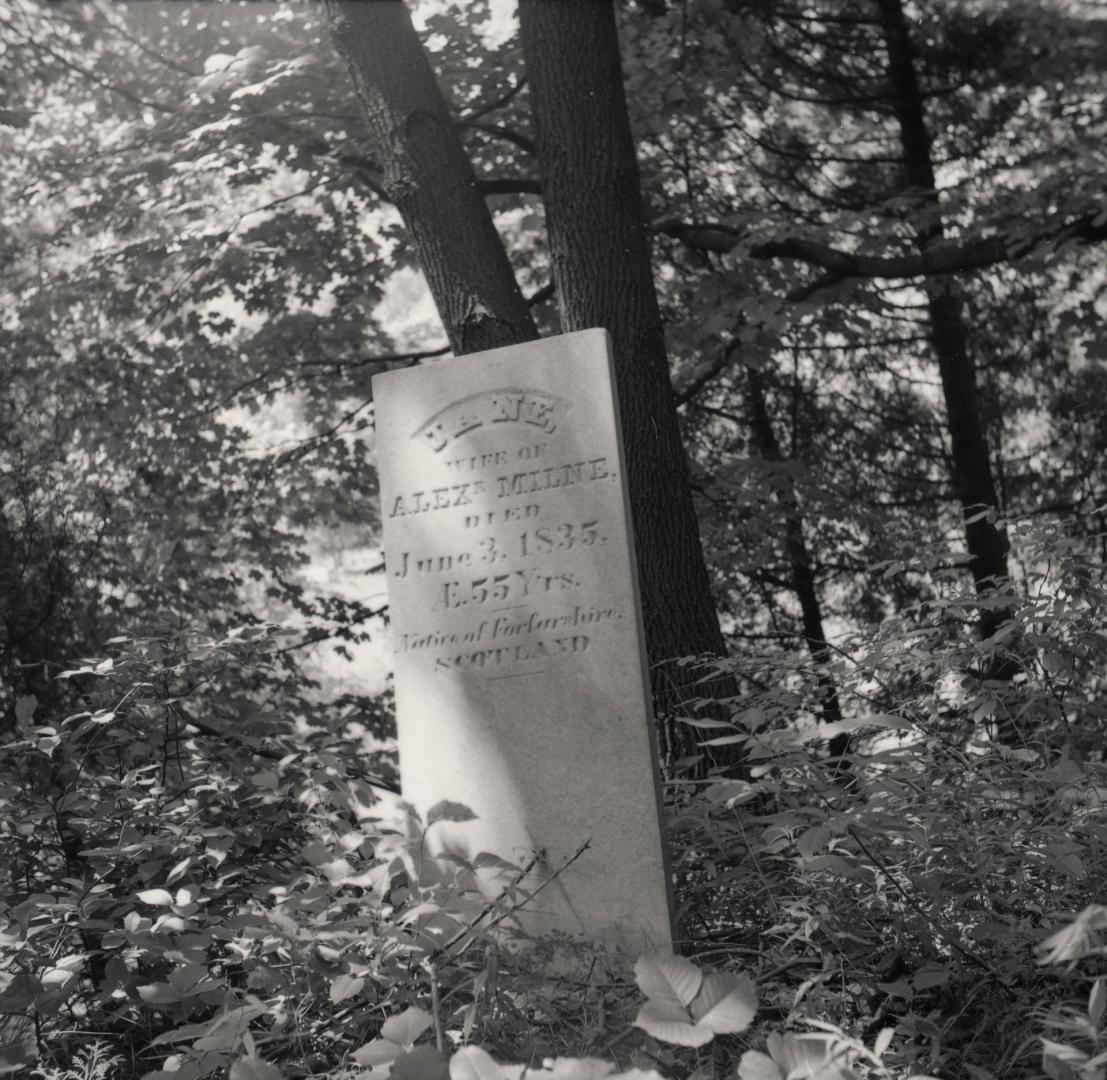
(195, 877)
(908, 885)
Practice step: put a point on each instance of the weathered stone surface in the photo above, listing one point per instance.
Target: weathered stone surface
(521, 682)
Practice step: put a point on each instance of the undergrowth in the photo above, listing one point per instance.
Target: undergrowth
(196, 885)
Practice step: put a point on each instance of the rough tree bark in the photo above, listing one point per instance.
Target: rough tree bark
(601, 264)
(427, 175)
(970, 461)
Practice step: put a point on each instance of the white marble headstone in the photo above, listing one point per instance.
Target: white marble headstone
(522, 689)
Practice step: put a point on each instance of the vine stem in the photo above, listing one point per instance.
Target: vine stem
(436, 1011)
(491, 906)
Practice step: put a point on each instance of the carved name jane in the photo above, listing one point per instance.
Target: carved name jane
(521, 681)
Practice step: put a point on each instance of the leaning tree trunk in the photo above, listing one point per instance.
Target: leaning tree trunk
(601, 264)
(429, 178)
(971, 464)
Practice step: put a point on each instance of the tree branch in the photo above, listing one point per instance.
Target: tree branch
(689, 381)
(510, 185)
(1088, 228)
(498, 131)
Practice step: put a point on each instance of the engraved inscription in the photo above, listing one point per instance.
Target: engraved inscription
(510, 405)
(504, 591)
(450, 496)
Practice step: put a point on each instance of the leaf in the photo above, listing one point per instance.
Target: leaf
(72, 962)
(407, 1027)
(668, 978)
(156, 897)
(807, 1057)
(178, 870)
(974, 1070)
(486, 859)
(449, 811)
(15, 1056)
(181, 1034)
(25, 708)
(812, 840)
(1063, 1052)
(757, 1066)
(1056, 1069)
(19, 994)
(56, 978)
(725, 740)
(883, 1041)
(63, 971)
(668, 1022)
(473, 1063)
(928, 977)
(726, 1004)
(705, 724)
(253, 1068)
(345, 986)
(377, 1052)
(564, 1068)
(977, 1072)
(422, 1063)
(1097, 1001)
(159, 993)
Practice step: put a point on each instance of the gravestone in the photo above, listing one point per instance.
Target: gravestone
(521, 680)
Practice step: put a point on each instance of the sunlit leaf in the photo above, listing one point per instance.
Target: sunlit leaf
(408, 1026)
(727, 1003)
(757, 1066)
(249, 1067)
(156, 897)
(473, 1063)
(1097, 1002)
(665, 977)
(377, 1052)
(345, 986)
(670, 1023)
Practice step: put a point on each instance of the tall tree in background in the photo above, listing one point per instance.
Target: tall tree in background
(843, 142)
(970, 461)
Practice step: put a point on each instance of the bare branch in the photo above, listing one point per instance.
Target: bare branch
(517, 138)
(1088, 228)
(495, 103)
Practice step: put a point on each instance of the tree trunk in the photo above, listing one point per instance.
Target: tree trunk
(799, 562)
(429, 178)
(601, 264)
(971, 464)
